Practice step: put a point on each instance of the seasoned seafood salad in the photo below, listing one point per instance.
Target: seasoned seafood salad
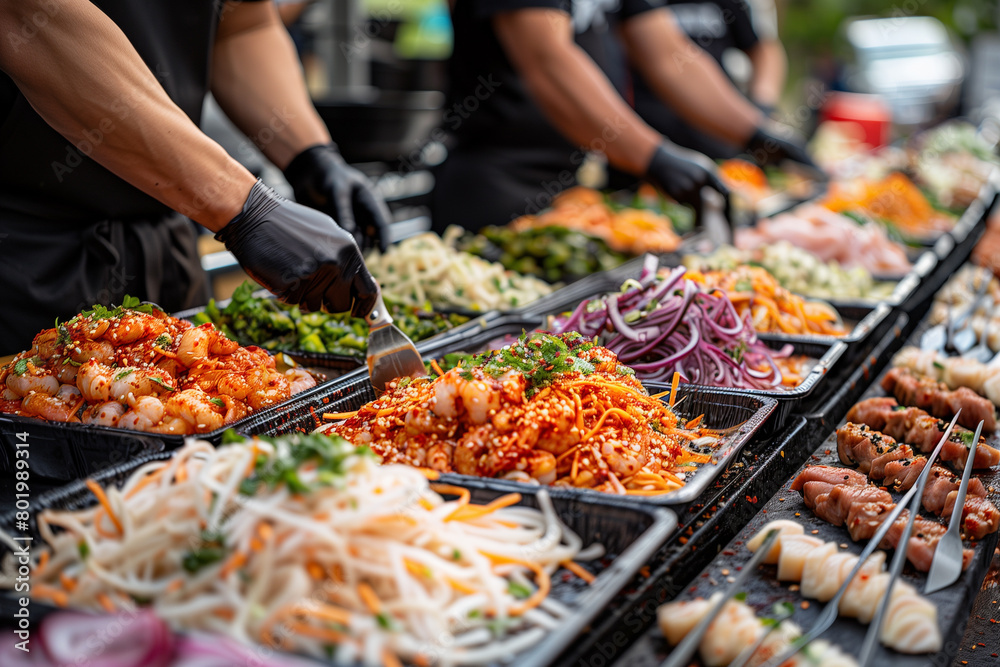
(138, 368)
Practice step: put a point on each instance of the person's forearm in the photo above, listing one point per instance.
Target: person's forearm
(686, 78)
(257, 80)
(579, 100)
(82, 76)
(770, 65)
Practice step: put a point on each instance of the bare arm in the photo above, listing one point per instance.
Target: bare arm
(571, 89)
(686, 78)
(79, 72)
(257, 80)
(770, 64)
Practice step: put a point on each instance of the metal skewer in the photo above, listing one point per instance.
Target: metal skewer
(682, 653)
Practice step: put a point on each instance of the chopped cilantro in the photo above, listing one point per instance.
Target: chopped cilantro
(475, 613)
(163, 340)
(21, 367)
(330, 453)
(383, 620)
(540, 357)
(656, 425)
(456, 555)
(743, 285)
(737, 352)
(124, 374)
(217, 401)
(84, 549)
(211, 550)
(938, 365)
(741, 596)
(163, 384)
(99, 312)
(966, 437)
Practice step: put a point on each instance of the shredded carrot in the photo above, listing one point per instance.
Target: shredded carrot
(315, 570)
(436, 368)
(323, 634)
(106, 603)
(224, 613)
(541, 580)
(332, 416)
(646, 492)
(182, 474)
(175, 585)
(661, 394)
(47, 592)
(673, 388)
(686, 456)
(148, 479)
(389, 659)
(166, 353)
(578, 570)
(367, 594)
(67, 582)
(43, 560)
(694, 422)
(449, 490)
(472, 512)
(429, 473)
(600, 422)
(417, 569)
(103, 499)
(460, 587)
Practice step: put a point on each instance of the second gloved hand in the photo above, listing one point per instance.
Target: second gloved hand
(773, 142)
(682, 174)
(322, 180)
(299, 254)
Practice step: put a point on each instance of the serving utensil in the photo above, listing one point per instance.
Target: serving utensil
(391, 354)
(946, 567)
(683, 652)
(831, 610)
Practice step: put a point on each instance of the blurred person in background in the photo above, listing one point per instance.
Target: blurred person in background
(527, 102)
(101, 159)
(720, 28)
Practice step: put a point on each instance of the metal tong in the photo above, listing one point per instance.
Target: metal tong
(946, 567)
(831, 610)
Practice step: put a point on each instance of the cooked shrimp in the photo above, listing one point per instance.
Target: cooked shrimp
(479, 399)
(196, 344)
(624, 460)
(172, 426)
(145, 413)
(104, 414)
(61, 408)
(94, 381)
(541, 465)
(133, 326)
(132, 381)
(33, 381)
(66, 373)
(83, 351)
(439, 456)
(273, 390)
(299, 379)
(196, 408)
(46, 344)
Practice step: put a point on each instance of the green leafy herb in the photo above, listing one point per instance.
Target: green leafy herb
(21, 367)
(383, 620)
(743, 285)
(656, 425)
(217, 401)
(99, 312)
(163, 340)
(520, 591)
(164, 385)
(329, 453)
(124, 374)
(938, 365)
(966, 437)
(63, 338)
(741, 596)
(229, 437)
(540, 357)
(84, 549)
(475, 613)
(737, 352)
(456, 555)
(211, 550)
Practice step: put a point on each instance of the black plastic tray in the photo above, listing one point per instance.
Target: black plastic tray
(569, 297)
(827, 352)
(722, 410)
(630, 534)
(342, 363)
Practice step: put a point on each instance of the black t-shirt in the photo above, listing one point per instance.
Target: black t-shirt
(716, 25)
(43, 175)
(488, 103)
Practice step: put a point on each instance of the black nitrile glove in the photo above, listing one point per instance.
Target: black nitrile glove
(299, 254)
(322, 180)
(681, 173)
(772, 142)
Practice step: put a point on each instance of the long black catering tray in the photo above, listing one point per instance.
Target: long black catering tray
(721, 410)
(629, 534)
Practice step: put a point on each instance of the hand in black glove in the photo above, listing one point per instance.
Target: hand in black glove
(299, 254)
(682, 174)
(773, 142)
(322, 180)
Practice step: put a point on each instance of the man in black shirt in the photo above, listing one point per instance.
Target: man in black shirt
(99, 145)
(527, 102)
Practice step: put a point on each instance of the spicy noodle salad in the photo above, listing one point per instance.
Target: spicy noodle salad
(307, 544)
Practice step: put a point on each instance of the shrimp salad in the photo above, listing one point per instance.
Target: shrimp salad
(305, 543)
(550, 409)
(136, 367)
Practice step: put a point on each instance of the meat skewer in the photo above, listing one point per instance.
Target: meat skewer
(921, 431)
(935, 397)
(894, 465)
(843, 497)
(953, 371)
